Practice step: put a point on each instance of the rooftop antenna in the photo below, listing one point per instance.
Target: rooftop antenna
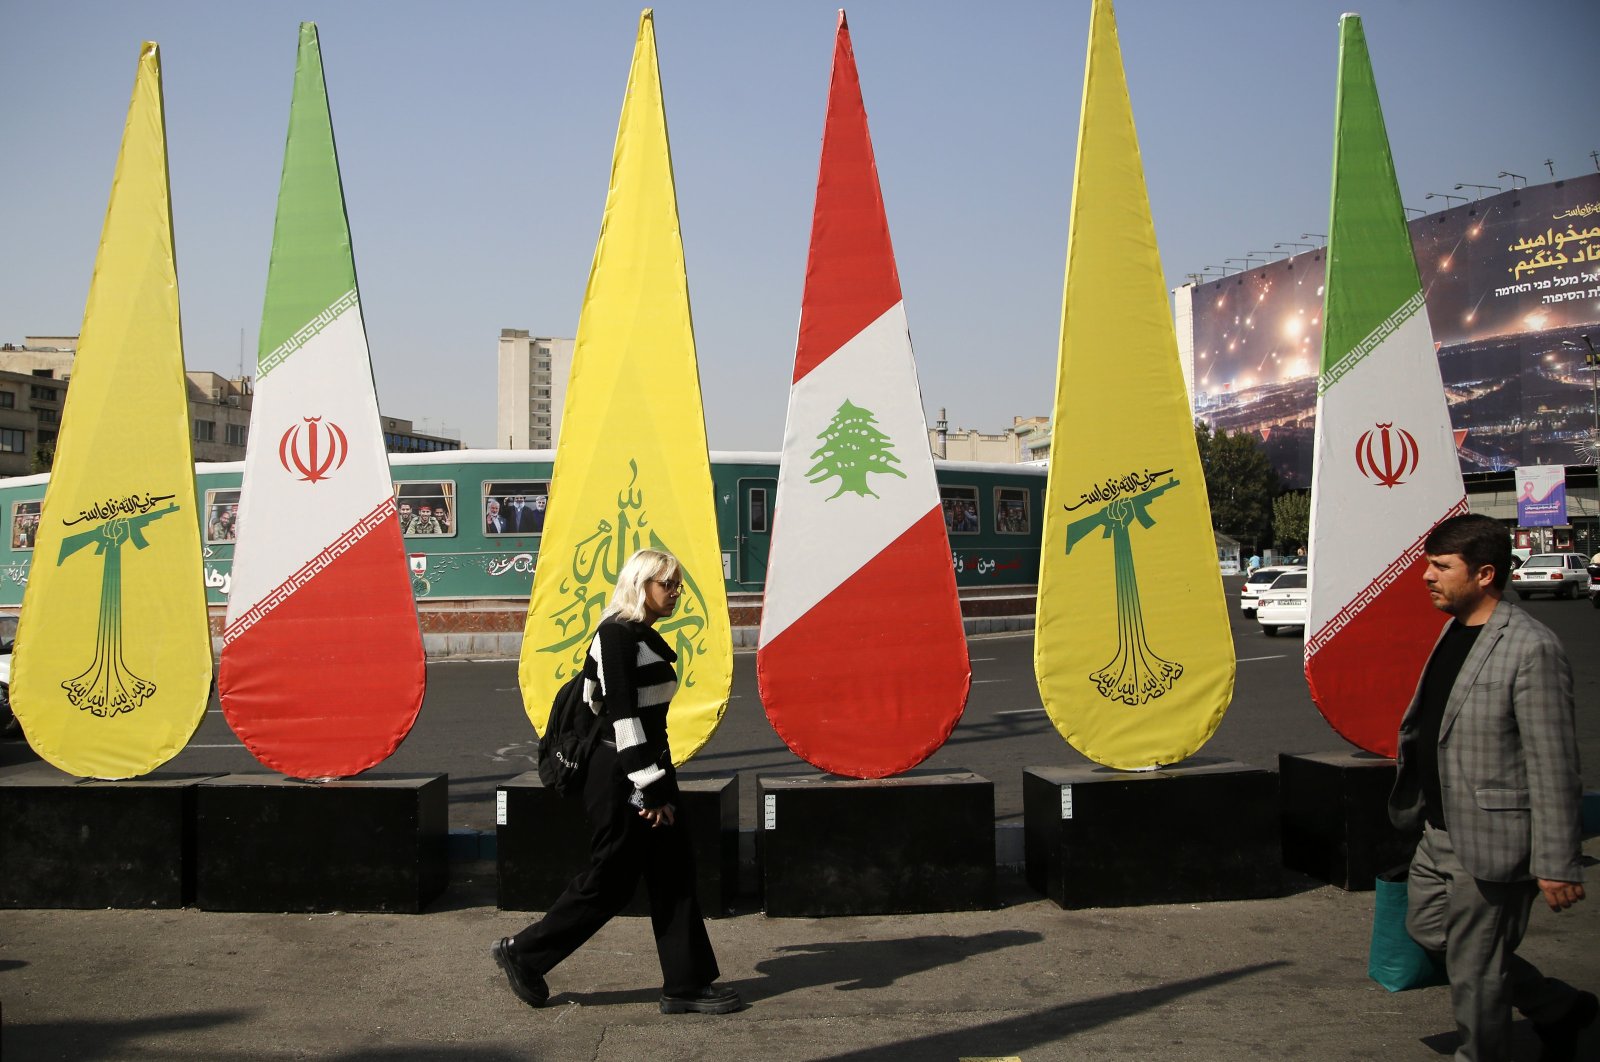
(1551, 165)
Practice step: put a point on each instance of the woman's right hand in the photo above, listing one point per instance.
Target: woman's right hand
(661, 816)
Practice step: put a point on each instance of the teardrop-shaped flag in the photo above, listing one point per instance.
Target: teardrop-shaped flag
(322, 663)
(1384, 470)
(113, 665)
(1132, 676)
(632, 470)
(862, 662)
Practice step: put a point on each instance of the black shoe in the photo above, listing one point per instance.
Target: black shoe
(1560, 1037)
(709, 1000)
(530, 988)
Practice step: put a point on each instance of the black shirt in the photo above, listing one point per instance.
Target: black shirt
(1437, 680)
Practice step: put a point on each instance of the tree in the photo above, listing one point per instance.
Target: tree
(1291, 518)
(44, 457)
(851, 449)
(1240, 483)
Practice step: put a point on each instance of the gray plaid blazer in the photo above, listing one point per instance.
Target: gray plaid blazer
(1508, 756)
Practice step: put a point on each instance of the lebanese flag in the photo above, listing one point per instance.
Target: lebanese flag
(862, 661)
(1384, 469)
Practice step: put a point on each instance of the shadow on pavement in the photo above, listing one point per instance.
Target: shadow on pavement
(87, 1040)
(1012, 1036)
(847, 965)
(433, 1053)
(621, 997)
(850, 965)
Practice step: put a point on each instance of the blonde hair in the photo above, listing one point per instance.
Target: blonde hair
(627, 600)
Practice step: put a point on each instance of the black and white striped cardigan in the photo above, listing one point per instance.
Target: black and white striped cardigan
(630, 671)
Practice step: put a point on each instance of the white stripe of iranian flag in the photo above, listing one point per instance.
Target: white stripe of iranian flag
(283, 521)
(1360, 527)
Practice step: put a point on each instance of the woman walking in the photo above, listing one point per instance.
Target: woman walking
(630, 792)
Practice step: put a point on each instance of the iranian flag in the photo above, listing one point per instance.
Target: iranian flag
(863, 660)
(1385, 469)
(322, 668)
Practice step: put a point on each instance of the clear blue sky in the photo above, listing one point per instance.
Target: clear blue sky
(475, 141)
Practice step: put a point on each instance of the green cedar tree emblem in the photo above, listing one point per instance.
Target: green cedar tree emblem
(852, 449)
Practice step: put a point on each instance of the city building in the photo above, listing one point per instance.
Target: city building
(35, 375)
(219, 416)
(30, 417)
(532, 388)
(1028, 439)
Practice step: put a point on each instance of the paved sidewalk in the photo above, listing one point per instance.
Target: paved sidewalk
(1272, 979)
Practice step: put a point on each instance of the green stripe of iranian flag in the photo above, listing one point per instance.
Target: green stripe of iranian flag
(308, 281)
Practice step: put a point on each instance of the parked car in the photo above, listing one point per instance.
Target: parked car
(1562, 574)
(1258, 581)
(1286, 603)
(9, 727)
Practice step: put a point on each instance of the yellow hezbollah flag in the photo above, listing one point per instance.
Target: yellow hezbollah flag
(1131, 678)
(113, 661)
(632, 470)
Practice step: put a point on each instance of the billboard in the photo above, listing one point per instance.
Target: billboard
(1512, 283)
(1543, 500)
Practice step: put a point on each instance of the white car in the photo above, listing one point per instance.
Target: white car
(1258, 581)
(9, 727)
(1286, 603)
(1562, 574)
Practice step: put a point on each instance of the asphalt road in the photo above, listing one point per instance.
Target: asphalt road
(472, 726)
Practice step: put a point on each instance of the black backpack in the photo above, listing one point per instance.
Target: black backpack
(569, 739)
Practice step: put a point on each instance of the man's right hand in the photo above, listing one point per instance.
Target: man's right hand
(1561, 895)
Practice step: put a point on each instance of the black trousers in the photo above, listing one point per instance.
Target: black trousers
(626, 847)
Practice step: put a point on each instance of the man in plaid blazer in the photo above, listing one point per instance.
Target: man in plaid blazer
(1488, 771)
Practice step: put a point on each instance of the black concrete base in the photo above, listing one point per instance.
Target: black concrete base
(1336, 819)
(1206, 829)
(542, 843)
(374, 843)
(916, 843)
(68, 843)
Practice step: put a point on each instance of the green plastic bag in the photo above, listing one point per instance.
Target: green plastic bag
(1396, 961)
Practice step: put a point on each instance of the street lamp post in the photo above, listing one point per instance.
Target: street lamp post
(1446, 197)
(1479, 187)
